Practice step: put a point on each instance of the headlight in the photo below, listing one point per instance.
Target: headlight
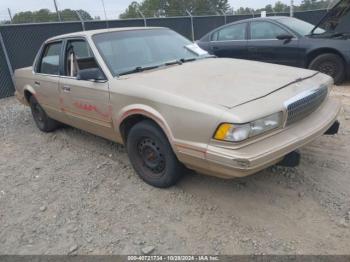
(238, 133)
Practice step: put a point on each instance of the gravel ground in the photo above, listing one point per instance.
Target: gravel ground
(74, 193)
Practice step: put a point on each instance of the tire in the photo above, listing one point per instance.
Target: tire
(42, 121)
(151, 155)
(330, 64)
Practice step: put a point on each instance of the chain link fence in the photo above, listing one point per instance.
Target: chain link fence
(22, 42)
(6, 84)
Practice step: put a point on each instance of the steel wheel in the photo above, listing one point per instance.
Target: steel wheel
(330, 64)
(151, 155)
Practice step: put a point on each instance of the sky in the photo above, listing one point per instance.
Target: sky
(113, 7)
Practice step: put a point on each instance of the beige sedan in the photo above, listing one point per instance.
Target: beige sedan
(174, 106)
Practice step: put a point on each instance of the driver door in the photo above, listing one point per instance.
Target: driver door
(86, 103)
(264, 46)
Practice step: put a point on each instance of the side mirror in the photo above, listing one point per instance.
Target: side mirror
(91, 74)
(284, 37)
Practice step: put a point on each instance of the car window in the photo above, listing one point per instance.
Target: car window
(265, 30)
(299, 26)
(50, 59)
(128, 52)
(233, 32)
(78, 56)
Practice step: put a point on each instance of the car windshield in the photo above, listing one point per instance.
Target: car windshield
(138, 50)
(299, 26)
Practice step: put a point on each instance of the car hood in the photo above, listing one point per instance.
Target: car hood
(220, 81)
(337, 19)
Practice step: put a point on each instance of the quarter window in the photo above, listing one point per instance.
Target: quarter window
(229, 33)
(265, 31)
(50, 59)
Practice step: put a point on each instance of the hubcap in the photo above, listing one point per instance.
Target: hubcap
(151, 155)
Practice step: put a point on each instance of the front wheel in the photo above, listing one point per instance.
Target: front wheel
(151, 155)
(330, 64)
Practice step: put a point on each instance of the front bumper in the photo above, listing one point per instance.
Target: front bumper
(250, 159)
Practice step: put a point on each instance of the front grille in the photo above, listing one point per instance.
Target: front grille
(304, 104)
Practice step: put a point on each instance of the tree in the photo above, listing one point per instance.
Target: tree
(45, 15)
(280, 7)
(166, 8)
(244, 11)
(5, 22)
(131, 11)
(71, 15)
(313, 5)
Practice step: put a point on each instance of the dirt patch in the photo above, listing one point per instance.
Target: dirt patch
(72, 192)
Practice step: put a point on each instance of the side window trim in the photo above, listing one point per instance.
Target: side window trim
(249, 31)
(221, 28)
(40, 55)
(63, 56)
(295, 37)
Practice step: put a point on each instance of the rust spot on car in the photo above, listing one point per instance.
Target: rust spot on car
(92, 108)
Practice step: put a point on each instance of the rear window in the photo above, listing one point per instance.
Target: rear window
(230, 33)
(299, 26)
(50, 59)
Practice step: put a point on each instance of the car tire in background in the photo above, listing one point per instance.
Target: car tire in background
(42, 120)
(151, 155)
(330, 64)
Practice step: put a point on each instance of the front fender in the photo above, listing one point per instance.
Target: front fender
(147, 111)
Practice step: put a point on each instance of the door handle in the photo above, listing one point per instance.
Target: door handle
(37, 83)
(66, 89)
(215, 48)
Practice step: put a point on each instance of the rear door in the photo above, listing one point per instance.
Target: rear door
(46, 77)
(86, 103)
(230, 41)
(263, 44)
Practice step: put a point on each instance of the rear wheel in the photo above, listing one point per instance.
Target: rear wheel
(42, 120)
(151, 155)
(330, 64)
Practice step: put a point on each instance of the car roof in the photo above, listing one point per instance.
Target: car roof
(268, 18)
(99, 31)
(262, 19)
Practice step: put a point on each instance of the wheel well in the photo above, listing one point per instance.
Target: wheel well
(129, 122)
(27, 95)
(312, 55)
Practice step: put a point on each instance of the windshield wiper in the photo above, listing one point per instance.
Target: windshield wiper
(173, 62)
(138, 69)
(180, 61)
(339, 34)
(186, 60)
